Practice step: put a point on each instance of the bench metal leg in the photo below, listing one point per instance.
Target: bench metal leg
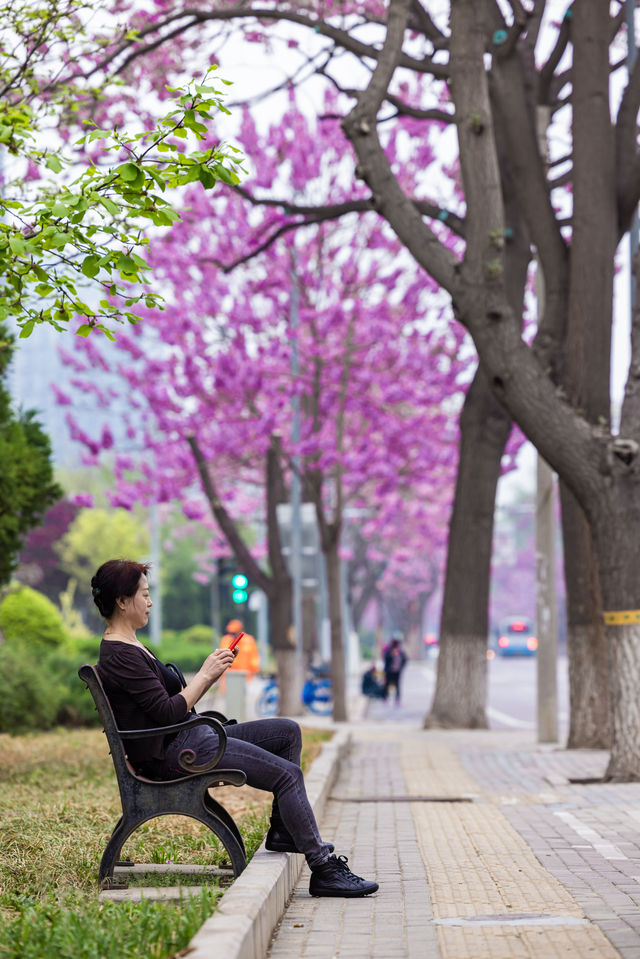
(221, 826)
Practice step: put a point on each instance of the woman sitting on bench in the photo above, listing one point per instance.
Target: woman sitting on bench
(145, 693)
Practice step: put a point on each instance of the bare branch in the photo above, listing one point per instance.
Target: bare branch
(503, 46)
(226, 523)
(627, 160)
(313, 215)
(420, 20)
(547, 72)
(374, 168)
(194, 17)
(402, 108)
(535, 22)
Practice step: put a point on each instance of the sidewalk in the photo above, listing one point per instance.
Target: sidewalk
(483, 849)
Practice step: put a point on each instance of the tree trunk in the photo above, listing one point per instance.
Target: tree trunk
(338, 674)
(586, 369)
(590, 721)
(284, 649)
(280, 593)
(286, 662)
(616, 528)
(309, 629)
(485, 426)
(461, 685)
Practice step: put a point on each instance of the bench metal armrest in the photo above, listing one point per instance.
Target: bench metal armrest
(186, 759)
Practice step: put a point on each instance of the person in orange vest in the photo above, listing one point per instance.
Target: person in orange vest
(247, 655)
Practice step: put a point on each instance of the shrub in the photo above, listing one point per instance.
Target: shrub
(198, 635)
(74, 705)
(29, 618)
(29, 697)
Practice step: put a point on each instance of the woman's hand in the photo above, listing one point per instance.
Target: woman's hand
(217, 663)
(210, 672)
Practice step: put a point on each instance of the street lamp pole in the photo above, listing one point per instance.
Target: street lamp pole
(546, 613)
(296, 492)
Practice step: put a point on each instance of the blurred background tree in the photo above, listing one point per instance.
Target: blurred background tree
(27, 487)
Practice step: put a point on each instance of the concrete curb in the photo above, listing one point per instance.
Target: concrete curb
(247, 914)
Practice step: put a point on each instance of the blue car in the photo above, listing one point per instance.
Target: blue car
(516, 637)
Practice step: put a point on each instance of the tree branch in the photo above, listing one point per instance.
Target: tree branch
(535, 22)
(402, 108)
(339, 37)
(525, 148)
(627, 159)
(313, 215)
(390, 201)
(547, 72)
(420, 20)
(227, 525)
(276, 493)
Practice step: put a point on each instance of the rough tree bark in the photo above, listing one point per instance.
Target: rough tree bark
(462, 662)
(589, 715)
(518, 94)
(586, 367)
(484, 430)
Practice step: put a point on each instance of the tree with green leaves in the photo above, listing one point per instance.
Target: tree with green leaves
(27, 488)
(73, 219)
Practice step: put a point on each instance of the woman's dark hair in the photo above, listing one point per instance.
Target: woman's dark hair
(116, 578)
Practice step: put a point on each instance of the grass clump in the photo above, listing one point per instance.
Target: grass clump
(80, 928)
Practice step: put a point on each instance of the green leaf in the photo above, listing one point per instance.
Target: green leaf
(126, 265)
(17, 245)
(53, 163)
(207, 178)
(27, 329)
(91, 265)
(129, 172)
(107, 332)
(84, 330)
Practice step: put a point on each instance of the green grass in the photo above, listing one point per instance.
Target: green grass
(59, 802)
(82, 928)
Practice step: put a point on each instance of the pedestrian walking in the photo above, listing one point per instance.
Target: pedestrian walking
(395, 659)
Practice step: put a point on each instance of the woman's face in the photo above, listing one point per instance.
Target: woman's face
(137, 607)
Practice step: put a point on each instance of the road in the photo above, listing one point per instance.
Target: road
(511, 693)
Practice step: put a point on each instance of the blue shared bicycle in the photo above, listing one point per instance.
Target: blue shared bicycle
(317, 694)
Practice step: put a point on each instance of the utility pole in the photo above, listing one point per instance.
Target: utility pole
(296, 497)
(156, 618)
(546, 614)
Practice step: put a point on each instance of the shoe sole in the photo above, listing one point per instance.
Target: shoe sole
(274, 847)
(347, 894)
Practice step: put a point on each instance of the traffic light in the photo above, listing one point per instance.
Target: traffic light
(239, 582)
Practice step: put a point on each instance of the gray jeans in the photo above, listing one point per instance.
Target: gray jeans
(268, 752)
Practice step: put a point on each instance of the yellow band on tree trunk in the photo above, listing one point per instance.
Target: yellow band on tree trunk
(621, 617)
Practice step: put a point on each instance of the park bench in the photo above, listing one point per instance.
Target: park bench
(143, 799)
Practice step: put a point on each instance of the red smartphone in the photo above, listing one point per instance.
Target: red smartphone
(236, 641)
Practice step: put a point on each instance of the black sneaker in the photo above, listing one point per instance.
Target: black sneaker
(334, 878)
(279, 840)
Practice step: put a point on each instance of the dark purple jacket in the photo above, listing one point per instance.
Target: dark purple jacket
(143, 693)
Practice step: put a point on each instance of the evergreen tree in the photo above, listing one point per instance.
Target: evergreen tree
(27, 488)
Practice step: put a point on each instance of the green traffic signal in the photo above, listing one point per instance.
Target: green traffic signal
(239, 582)
(239, 595)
